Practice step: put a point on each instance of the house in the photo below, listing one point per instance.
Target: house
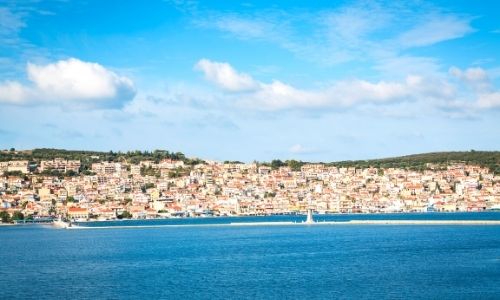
(77, 213)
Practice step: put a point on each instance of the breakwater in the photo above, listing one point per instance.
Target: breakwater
(325, 223)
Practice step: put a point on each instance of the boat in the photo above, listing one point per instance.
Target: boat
(309, 219)
(495, 207)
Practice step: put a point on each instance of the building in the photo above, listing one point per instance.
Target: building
(106, 168)
(77, 213)
(14, 166)
(60, 165)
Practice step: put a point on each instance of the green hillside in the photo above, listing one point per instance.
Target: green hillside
(490, 159)
(87, 157)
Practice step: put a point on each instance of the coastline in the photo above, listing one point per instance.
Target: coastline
(415, 219)
(301, 214)
(326, 223)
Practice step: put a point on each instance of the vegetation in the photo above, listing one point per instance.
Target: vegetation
(59, 174)
(88, 157)
(4, 216)
(295, 165)
(269, 195)
(149, 185)
(179, 172)
(419, 162)
(489, 159)
(125, 215)
(13, 173)
(149, 171)
(18, 216)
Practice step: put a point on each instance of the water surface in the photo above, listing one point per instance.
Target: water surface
(298, 219)
(288, 262)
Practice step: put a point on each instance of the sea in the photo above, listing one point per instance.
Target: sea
(254, 262)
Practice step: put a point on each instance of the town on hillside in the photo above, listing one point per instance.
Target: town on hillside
(171, 188)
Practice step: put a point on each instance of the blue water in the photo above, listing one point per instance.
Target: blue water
(288, 262)
(299, 218)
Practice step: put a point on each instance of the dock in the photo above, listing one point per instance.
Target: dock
(66, 225)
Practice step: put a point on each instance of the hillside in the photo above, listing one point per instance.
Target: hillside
(88, 157)
(490, 159)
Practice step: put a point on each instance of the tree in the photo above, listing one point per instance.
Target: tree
(13, 173)
(18, 216)
(4, 216)
(125, 215)
(173, 174)
(294, 164)
(71, 173)
(276, 163)
(149, 185)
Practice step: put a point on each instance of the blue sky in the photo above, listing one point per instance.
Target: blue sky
(229, 80)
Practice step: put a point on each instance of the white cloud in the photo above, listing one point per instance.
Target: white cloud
(352, 23)
(70, 80)
(225, 76)
(10, 24)
(476, 77)
(243, 28)
(435, 29)
(344, 93)
(299, 149)
(483, 92)
(359, 31)
(279, 95)
(401, 66)
(489, 100)
(430, 91)
(476, 90)
(471, 74)
(12, 92)
(75, 79)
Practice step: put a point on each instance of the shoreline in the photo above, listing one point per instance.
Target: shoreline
(255, 222)
(326, 223)
(301, 215)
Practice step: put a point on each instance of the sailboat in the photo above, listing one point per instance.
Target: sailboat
(309, 219)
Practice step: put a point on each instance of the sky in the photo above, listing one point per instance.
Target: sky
(251, 80)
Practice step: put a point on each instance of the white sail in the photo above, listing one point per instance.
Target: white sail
(309, 219)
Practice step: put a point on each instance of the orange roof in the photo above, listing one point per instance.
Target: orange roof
(77, 210)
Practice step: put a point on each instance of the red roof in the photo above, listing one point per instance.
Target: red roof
(77, 210)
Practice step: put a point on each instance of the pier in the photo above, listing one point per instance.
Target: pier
(65, 225)
(35, 221)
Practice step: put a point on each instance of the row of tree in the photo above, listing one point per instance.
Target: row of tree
(489, 159)
(88, 157)
(5, 217)
(417, 162)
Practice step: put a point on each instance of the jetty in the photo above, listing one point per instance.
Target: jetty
(34, 221)
(67, 225)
